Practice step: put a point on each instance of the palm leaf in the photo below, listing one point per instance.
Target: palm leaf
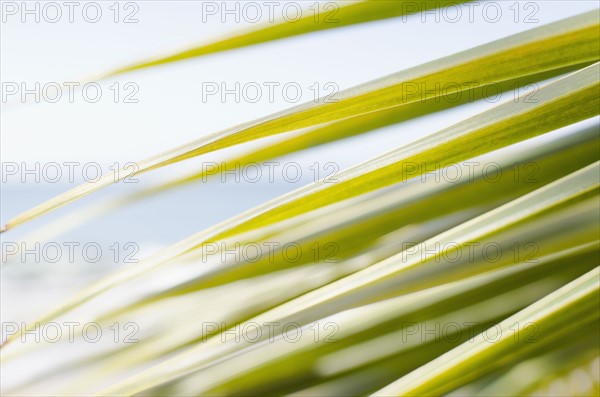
(399, 233)
(327, 16)
(572, 306)
(567, 43)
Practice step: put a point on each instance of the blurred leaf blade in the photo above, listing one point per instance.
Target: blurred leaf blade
(573, 41)
(349, 290)
(571, 99)
(323, 17)
(561, 308)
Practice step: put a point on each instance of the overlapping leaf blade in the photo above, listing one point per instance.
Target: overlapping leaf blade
(563, 44)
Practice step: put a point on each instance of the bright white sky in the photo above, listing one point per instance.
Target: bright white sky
(170, 110)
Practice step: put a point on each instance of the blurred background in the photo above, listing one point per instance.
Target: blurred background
(143, 113)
